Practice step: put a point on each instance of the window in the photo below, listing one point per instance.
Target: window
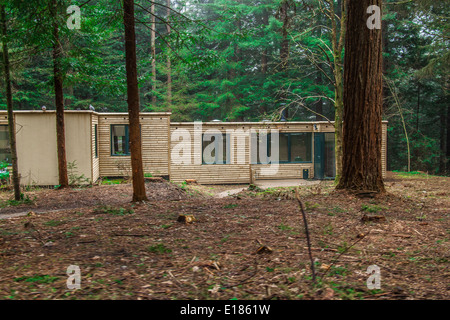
(293, 147)
(95, 141)
(5, 150)
(215, 148)
(300, 147)
(120, 140)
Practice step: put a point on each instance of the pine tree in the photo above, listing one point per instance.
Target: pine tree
(133, 103)
(362, 102)
(9, 102)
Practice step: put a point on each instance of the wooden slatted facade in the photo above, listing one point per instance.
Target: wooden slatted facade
(244, 171)
(155, 140)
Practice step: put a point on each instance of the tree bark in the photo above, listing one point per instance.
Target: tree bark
(338, 47)
(265, 53)
(9, 103)
(153, 50)
(284, 48)
(169, 65)
(133, 103)
(442, 140)
(59, 99)
(362, 129)
(338, 41)
(448, 140)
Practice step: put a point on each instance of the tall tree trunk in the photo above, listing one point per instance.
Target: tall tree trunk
(362, 129)
(264, 58)
(284, 49)
(338, 116)
(265, 53)
(9, 103)
(418, 107)
(133, 103)
(169, 65)
(448, 140)
(338, 41)
(442, 140)
(153, 50)
(59, 99)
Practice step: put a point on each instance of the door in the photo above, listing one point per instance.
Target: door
(324, 156)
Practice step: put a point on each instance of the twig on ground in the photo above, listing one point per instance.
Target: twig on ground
(313, 269)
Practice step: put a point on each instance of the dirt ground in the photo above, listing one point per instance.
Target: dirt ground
(250, 245)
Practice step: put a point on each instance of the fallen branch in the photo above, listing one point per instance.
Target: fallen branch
(322, 249)
(313, 269)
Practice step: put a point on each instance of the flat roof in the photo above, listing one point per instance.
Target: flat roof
(125, 114)
(121, 114)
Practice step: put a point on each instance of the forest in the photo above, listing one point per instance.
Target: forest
(357, 86)
(240, 61)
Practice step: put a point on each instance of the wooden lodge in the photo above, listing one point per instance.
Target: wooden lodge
(209, 152)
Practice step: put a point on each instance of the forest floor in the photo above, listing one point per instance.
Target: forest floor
(250, 245)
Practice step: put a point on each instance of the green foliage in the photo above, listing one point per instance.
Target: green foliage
(284, 227)
(159, 248)
(371, 208)
(114, 211)
(24, 199)
(112, 181)
(4, 172)
(42, 279)
(230, 206)
(74, 178)
(54, 223)
(412, 174)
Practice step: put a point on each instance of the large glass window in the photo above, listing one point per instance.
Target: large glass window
(301, 150)
(120, 140)
(215, 148)
(5, 149)
(293, 147)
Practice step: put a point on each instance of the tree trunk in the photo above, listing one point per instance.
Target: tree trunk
(169, 65)
(418, 107)
(153, 50)
(284, 49)
(59, 100)
(338, 117)
(265, 53)
(362, 130)
(133, 103)
(338, 40)
(9, 103)
(442, 138)
(448, 140)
